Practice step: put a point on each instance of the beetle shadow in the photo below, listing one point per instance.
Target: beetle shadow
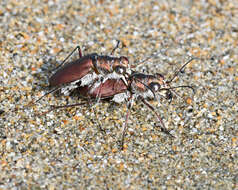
(42, 75)
(50, 64)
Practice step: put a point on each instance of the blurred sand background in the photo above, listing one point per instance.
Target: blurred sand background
(77, 148)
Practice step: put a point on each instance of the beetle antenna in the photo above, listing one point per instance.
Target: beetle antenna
(177, 72)
(154, 55)
(80, 55)
(141, 62)
(162, 128)
(183, 86)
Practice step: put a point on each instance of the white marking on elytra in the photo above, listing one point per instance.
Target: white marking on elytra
(88, 79)
(114, 75)
(67, 89)
(84, 81)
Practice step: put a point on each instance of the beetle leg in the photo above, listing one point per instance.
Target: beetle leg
(180, 70)
(124, 80)
(95, 64)
(163, 128)
(79, 51)
(80, 55)
(129, 106)
(153, 92)
(98, 97)
(64, 106)
(53, 90)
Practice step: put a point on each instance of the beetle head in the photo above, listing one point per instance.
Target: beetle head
(149, 86)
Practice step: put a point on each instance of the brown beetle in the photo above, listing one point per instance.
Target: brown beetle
(89, 71)
(85, 70)
(93, 65)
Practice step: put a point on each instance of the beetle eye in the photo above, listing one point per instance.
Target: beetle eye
(120, 69)
(155, 86)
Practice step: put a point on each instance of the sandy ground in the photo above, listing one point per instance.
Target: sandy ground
(78, 148)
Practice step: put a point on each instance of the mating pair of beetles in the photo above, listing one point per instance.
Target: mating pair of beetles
(107, 77)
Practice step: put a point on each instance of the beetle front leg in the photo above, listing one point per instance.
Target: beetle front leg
(163, 128)
(98, 97)
(130, 103)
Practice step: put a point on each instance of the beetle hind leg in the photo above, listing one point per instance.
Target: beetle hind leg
(63, 62)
